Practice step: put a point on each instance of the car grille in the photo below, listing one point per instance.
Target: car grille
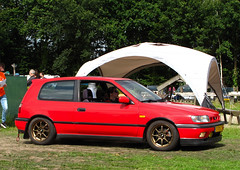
(214, 118)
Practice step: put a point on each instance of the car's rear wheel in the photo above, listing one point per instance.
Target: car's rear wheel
(41, 131)
(162, 136)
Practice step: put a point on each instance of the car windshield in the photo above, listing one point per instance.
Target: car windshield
(139, 91)
(184, 88)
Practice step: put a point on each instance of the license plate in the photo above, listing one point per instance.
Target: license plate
(219, 128)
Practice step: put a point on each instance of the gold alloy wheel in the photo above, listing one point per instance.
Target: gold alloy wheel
(40, 130)
(161, 135)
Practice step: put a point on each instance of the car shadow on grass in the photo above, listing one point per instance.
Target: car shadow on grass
(102, 143)
(201, 148)
(128, 144)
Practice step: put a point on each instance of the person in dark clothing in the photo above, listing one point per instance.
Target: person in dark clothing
(32, 74)
(113, 94)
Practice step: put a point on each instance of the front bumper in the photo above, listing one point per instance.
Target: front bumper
(200, 142)
(207, 125)
(192, 134)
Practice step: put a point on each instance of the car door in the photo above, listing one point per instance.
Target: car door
(106, 118)
(57, 101)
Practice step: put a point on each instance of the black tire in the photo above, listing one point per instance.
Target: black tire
(41, 131)
(162, 136)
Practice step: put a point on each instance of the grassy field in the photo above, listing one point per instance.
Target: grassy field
(79, 154)
(228, 105)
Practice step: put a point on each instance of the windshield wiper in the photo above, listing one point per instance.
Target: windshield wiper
(149, 100)
(152, 100)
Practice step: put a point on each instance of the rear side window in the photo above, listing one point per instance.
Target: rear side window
(58, 90)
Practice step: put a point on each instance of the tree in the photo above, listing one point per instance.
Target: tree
(231, 18)
(58, 36)
(57, 28)
(12, 44)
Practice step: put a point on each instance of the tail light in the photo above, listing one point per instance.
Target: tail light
(20, 108)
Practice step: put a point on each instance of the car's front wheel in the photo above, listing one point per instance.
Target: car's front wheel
(41, 131)
(162, 136)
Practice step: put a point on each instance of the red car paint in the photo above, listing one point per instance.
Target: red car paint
(105, 119)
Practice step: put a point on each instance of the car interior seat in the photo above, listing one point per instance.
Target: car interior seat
(87, 95)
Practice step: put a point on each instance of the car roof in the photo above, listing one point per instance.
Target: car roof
(97, 78)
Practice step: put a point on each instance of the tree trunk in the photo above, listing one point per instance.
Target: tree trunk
(221, 74)
(235, 74)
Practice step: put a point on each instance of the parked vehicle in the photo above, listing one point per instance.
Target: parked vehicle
(185, 92)
(83, 107)
(153, 88)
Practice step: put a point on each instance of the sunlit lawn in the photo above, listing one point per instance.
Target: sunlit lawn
(77, 154)
(228, 105)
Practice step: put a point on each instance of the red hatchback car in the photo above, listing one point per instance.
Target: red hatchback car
(112, 108)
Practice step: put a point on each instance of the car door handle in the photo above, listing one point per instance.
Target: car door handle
(81, 109)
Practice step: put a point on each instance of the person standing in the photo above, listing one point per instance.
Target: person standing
(41, 74)
(32, 75)
(3, 97)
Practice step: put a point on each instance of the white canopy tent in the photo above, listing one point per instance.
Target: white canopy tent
(196, 68)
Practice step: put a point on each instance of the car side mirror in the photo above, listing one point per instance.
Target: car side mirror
(124, 99)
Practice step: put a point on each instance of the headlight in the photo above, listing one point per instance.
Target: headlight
(199, 119)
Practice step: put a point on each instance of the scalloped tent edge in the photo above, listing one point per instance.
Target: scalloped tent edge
(199, 70)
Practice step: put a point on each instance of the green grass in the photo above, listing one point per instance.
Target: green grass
(228, 105)
(107, 155)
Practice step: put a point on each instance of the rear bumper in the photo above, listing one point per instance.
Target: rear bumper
(21, 124)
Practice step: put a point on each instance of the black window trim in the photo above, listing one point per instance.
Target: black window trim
(88, 80)
(74, 92)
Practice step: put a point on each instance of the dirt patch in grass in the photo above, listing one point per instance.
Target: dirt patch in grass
(70, 153)
(100, 154)
(8, 144)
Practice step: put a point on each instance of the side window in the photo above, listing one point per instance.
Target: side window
(58, 90)
(99, 91)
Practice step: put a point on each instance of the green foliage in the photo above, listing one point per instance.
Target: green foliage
(61, 64)
(58, 36)
(154, 75)
(225, 49)
(11, 42)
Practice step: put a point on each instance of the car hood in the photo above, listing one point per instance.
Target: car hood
(184, 108)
